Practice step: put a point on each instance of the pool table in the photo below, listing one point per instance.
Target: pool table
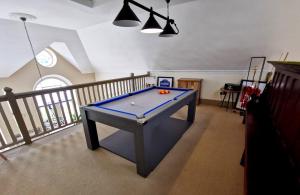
(147, 130)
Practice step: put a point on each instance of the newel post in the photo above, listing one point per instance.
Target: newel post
(133, 81)
(18, 115)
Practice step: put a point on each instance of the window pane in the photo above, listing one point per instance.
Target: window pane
(46, 58)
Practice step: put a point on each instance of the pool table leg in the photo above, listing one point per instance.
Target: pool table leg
(192, 109)
(90, 131)
(140, 152)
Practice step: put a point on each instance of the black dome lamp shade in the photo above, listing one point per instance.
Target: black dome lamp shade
(126, 17)
(168, 30)
(151, 26)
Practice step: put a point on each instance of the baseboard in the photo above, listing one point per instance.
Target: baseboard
(210, 102)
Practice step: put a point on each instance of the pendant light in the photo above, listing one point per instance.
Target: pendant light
(126, 17)
(151, 26)
(24, 18)
(168, 30)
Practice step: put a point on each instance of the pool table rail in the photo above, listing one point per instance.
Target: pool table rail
(146, 115)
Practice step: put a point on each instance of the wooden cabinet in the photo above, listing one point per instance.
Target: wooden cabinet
(191, 83)
(272, 148)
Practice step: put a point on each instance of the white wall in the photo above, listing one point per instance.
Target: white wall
(25, 78)
(212, 80)
(118, 74)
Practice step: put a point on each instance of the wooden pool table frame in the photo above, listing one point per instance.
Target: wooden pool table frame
(147, 152)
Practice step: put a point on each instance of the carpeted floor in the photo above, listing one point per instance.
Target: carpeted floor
(204, 162)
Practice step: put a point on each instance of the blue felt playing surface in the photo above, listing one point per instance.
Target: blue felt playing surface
(141, 103)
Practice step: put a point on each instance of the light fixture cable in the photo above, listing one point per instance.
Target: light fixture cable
(23, 19)
(168, 6)
(168, 12)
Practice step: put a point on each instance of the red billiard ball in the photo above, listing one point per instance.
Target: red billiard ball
(161, 92)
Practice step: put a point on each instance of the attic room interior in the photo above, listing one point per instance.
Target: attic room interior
(165, 97)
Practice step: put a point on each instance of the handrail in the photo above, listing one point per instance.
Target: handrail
(31, 115)
(46, 91)
(3, 98)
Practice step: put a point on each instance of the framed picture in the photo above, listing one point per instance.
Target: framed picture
(256, 68)
(243, 97)
(165, 81)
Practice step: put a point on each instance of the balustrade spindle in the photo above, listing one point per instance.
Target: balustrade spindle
(78, 96)
(74, 105)
(84, 96)
(62, 109)
(30, 116)
(89, 93)
(55, 110)
(47, 112)
(106, 90)
(37, 108)
(102, 92)
(68, 107)
(7, 124)
(94, 94)
(98, 93)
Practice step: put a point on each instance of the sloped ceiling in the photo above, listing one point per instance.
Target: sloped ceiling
(214, 34)
(15, 48)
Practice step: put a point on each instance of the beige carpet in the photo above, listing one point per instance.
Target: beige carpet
(205, 161)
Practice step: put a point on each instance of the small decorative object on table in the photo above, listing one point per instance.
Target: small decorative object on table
(165, 81)
(150, 81)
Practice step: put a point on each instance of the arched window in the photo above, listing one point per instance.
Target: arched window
(51, 81)
(59, 102)
(47, 58)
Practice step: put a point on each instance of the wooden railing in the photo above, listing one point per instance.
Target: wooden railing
(27, 116)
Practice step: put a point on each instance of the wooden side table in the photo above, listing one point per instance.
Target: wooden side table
(232, 96)
(191, 83)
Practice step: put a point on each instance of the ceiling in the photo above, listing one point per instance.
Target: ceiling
(214, 34)
(71, 15)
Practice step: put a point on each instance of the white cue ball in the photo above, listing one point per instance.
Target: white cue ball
(132, 103)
